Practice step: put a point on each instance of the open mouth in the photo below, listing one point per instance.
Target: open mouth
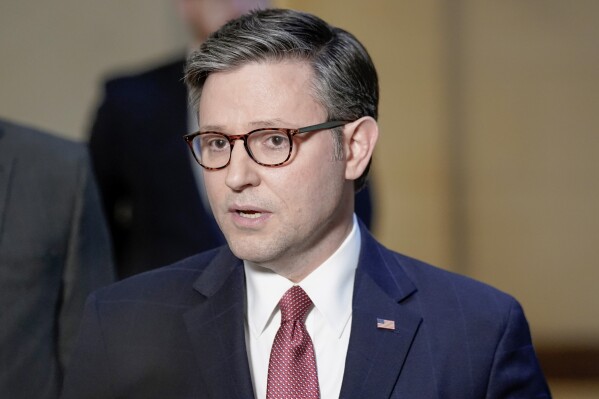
(249, 214)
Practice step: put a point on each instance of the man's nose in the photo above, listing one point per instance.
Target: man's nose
(242, 170)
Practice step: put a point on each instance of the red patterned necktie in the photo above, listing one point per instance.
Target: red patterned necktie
(292, 366)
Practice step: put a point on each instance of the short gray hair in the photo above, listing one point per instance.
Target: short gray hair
(345, 79)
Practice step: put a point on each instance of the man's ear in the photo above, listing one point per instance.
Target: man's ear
(360, 138)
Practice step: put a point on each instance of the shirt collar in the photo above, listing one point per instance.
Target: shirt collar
(330, 287)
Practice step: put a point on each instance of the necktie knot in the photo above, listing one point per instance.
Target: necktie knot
(294, 304)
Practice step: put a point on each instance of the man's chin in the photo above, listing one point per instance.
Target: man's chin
(249, 250)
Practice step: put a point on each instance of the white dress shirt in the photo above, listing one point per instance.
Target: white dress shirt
(330, 287)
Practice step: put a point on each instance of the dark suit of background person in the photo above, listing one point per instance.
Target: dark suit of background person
(150, 196)
(143, 166)
(54, 250)
(454, 337)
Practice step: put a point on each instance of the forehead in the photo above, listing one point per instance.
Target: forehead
(260, 91)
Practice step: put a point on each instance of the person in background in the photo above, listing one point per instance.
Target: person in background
(54, 250)
(303, 302)
(152, 190)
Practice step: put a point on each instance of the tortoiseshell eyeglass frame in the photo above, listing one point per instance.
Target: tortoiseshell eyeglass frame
(234, 137)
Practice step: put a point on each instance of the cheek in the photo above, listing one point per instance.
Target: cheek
(312, 189)
(214, 188)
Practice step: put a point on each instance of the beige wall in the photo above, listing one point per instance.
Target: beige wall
(487, 163)
(530, 95)
(54, 55)
(528, 91)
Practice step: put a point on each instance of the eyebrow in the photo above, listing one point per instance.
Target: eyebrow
(276, 122)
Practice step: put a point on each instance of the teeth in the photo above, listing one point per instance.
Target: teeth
(250, 215)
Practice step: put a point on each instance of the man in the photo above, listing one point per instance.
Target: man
(144, 169)
(303, 302)
(54, 250)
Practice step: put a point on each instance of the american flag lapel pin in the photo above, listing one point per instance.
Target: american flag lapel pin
(385, 324)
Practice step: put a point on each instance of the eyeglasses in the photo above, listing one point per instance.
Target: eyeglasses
(266, 146)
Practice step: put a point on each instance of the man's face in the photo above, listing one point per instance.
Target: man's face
(288, 218)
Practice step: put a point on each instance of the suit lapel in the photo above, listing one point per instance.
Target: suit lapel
(216, 329)
(376, 356)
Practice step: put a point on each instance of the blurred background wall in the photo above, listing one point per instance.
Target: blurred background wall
(488, 161)
(55, 55)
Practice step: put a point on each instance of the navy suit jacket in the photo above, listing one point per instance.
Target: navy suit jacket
(143, 166)
(178, 332)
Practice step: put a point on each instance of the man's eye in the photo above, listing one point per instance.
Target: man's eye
(216, 143)
(219, 143)
(276, 141)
